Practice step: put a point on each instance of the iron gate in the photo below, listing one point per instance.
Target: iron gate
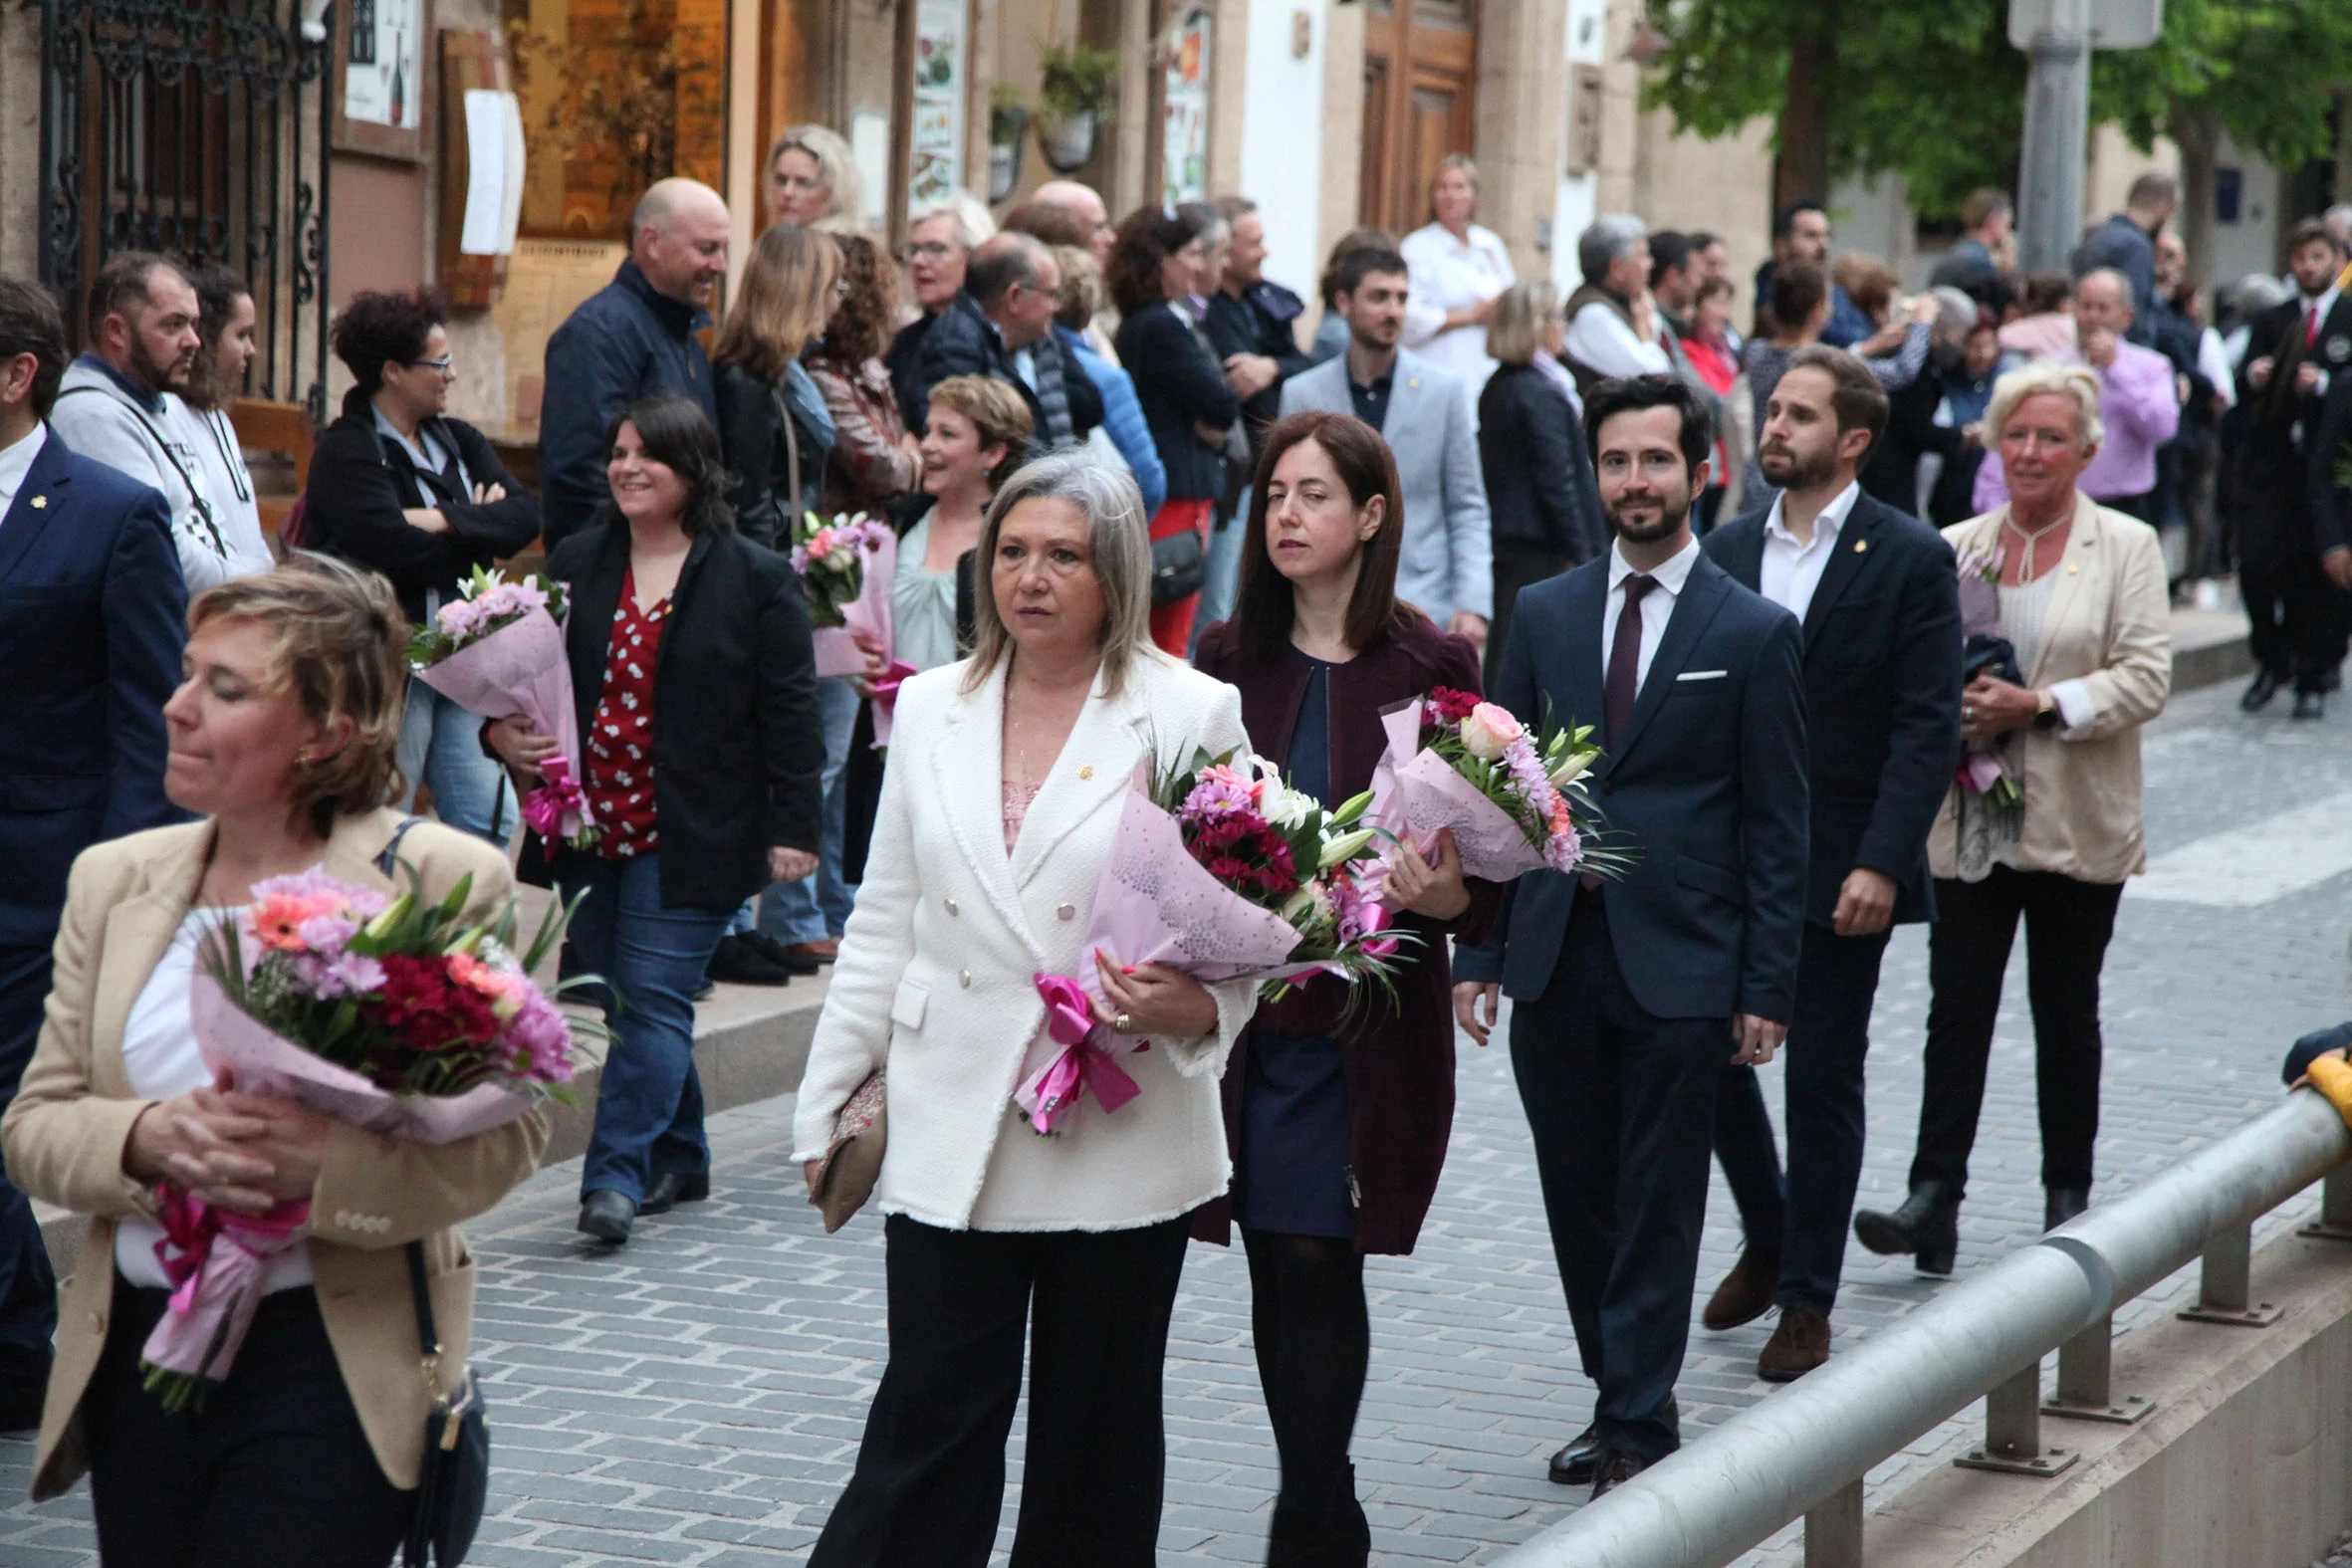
(198, 128)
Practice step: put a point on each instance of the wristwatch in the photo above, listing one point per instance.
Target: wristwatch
(2046, 710)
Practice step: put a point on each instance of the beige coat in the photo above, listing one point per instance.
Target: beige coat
(2109, 627)
(63, 1140)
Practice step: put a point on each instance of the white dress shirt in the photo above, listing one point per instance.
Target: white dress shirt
(1599, 338)
(1657, 605)
(2314, 320)
(1792, 571)
(16, 461)
(1448, 273)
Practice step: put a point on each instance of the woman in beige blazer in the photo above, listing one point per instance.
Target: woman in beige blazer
(283, 737)
(2084, 605)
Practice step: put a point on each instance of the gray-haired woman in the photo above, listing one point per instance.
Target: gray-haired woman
(1006, 784)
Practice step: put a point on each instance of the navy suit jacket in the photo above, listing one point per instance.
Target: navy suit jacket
(92, 621)
(1707, 787)
(1882, 695)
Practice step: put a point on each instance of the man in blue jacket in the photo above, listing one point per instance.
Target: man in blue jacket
(92, 618)
(1629, 996)
(629, 340)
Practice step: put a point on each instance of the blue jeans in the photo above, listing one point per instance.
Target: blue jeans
(649, 1105)
(441, 747)
(1225, 573)
(817, 906)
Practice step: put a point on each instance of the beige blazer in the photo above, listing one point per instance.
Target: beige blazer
(63, 1140)
(2110, 627)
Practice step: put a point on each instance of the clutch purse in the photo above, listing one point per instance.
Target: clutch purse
(453, 1482)
(853, 1160)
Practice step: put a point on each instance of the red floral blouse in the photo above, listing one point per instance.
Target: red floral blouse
(620, 760)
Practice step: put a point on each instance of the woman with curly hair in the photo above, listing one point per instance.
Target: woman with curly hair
(872, 458)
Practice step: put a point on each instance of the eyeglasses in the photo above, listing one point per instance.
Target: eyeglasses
(446, 364)
(928, 249)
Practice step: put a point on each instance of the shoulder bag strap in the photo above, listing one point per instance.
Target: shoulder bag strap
(389, 861)
(791, 466)
(202, 507)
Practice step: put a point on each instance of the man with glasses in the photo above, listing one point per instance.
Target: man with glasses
(1002, 327)
(121, 404)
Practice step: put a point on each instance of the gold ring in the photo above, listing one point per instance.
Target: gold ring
(1123, 1024)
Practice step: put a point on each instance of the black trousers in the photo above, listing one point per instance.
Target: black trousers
(930, 1477)
(2068, 925)
(27, 1286)
(1620, 1103)
(1517, 566)
(2293, 614)
(274, 1472)
(1836, 983)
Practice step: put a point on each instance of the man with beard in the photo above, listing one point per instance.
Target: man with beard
(120, 402)
(1879, 598)
(1632, 994)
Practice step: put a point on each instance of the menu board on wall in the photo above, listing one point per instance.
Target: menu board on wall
(1184, 115)
(941, 67)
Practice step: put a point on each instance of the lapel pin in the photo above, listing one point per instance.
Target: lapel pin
(2073, 567)
(38, 502)
(1413, 381)
(1860, 546)
(1087, 772)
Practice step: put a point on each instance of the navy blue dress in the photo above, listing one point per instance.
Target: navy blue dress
(1294, 1176)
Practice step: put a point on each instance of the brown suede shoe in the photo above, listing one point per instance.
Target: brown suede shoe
(1745, 1293)
(1798, 1344)
(823, 952)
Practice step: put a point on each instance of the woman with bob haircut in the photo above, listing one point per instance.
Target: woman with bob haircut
(1008, 777)
(284, 734)
(1338, 1105)
(695, 682)
(814, 181)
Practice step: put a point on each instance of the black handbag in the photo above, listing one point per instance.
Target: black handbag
(453, 1482)
(1179, 565)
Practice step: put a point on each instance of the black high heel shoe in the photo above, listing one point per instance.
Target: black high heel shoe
(1927, 1227)
(2062, 1203)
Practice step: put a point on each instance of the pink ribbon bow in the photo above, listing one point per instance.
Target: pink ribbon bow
(1052, 1094)
(558, 799)
(215, 1290)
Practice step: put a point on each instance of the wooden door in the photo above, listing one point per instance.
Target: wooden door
(1420, 74)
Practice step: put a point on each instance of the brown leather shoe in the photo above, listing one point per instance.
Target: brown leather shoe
(823, 952)
(1745, 1293)
(1798, 1344)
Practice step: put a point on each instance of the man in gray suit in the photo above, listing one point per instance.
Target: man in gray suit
(1446, 568)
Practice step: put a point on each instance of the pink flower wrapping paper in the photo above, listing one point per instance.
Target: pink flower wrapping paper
(521, 669)
(1415, 793)
(837, 652)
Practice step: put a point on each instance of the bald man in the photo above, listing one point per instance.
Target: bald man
(629, 340)
(1087, 202)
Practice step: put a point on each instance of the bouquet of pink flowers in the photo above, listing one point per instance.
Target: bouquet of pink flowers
(498, 652)
(1516, 804)
(1222, 871)
(386, 1013)
(845, 567)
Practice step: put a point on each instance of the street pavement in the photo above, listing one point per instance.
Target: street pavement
(696, 1398)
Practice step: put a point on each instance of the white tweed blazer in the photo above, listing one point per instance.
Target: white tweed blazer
(936, 978)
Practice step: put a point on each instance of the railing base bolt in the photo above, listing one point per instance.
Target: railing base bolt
(2261, 1316)
(2131, 1410)
(2048, 1462)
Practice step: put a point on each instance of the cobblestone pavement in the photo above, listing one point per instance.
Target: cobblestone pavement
(697, 1398)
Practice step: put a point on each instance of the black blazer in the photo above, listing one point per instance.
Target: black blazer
(1179, 385)
(2272, 505)
(361, 482)
(1707, 786)
(1539, 484)
(1882, 695)
(753, 431)
(961, 340)
(738, 748)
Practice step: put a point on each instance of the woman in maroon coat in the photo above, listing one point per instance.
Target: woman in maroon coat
(1337, 1117)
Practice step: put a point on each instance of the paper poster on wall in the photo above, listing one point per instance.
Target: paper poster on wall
(1184, 115)
(936, 145)
(384, 81)
(493, 166)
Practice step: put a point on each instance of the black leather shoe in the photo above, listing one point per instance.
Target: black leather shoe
(1927, 1227)
(1573, 1465)
(2310, 704)
(672, 1188)
(738, 963)
(2267, 684)
(2062, 1203)
(607, 1216)
(1612, 1469)
(792, 962)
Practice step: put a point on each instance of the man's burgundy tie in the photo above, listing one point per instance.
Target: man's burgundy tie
(1625, 677)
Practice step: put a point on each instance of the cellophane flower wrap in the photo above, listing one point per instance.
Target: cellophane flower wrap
(1517, 803)
(388, 1013)
(846, 565)
(1222, 871)
(1989, 769)
(498, 652)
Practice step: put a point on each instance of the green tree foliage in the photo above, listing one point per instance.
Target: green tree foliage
(2265, 70)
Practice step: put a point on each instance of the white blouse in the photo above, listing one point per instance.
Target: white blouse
(160, 1056)
(1452, 274)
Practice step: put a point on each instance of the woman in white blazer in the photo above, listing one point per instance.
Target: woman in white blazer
(1007, 776)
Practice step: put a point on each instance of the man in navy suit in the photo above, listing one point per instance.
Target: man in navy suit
(1878, 594)
(1630, 995)
(91, 615)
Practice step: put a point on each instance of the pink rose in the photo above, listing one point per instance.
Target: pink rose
(1488, 730)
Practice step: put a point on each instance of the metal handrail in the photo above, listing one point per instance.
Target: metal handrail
(1803, 1451)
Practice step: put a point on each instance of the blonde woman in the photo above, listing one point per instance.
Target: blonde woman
(1458, 271)
(1006, 784)
(2085, 609)
(284, 731)
(813, 181)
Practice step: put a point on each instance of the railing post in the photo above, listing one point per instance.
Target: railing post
(2335, 1208)
(2086, 1390)
(2013, 1430)
(1833, 1529)
(2224, 1289)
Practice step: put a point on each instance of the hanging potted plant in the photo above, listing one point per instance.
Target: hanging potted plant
(1081, 84)
(1008, 131)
